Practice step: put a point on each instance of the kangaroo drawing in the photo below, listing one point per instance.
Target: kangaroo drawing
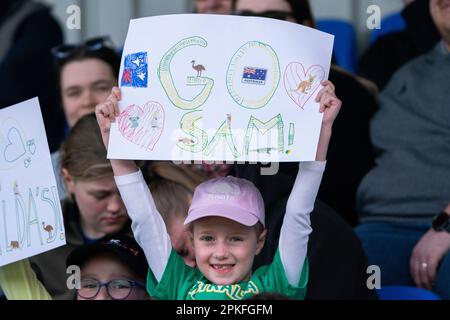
(305, 85)
(14, 244)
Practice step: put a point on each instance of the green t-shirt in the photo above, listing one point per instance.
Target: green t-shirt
(181, 282)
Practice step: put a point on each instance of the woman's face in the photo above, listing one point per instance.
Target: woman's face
(101, 208)
(107, 267)
(84, 84)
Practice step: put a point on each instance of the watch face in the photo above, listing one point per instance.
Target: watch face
(441, 221)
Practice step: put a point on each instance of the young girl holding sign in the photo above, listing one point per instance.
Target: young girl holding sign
(226, 223)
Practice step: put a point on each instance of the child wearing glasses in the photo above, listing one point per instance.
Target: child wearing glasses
(93, 208)
(116, 263)
(226, 224)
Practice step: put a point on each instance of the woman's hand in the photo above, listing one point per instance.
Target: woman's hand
(106, 113)
(329, 106)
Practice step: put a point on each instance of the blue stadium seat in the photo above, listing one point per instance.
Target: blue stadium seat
(345, 50)
(406, 293)
(391, 23)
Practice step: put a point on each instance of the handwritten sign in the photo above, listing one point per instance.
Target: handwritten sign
(30, 213)
(216, 87)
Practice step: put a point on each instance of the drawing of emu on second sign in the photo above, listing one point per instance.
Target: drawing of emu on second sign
(14, 245)
(49, 229)
(199, 68)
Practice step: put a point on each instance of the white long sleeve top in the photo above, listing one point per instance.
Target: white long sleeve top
(151, 233)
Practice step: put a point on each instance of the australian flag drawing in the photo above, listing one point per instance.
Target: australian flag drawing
(254, 75)
(135, 70)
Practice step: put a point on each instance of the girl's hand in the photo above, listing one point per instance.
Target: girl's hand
(106, 113)
(329, 104)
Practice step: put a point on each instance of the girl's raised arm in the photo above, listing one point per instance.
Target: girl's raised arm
(296, 226)
(148, 226)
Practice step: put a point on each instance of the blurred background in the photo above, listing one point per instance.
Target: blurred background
(373, 41)
(99, 17)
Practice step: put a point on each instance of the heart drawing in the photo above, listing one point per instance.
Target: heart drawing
(301, 85)
(142, 126)
(31, 146)
(15, 147)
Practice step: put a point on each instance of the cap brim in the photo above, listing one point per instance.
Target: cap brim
(81, 254)
(230, 212)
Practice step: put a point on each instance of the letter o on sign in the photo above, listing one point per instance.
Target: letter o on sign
(254, 65)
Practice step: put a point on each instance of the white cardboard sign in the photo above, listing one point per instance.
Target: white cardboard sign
(31, 219)
(217, 87)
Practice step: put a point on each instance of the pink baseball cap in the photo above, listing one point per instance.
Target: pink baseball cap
(227, 197)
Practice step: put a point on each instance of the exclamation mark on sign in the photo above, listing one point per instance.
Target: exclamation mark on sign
(291, 134)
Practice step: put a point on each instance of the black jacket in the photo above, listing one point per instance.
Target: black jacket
(27, 70)
(393, 50)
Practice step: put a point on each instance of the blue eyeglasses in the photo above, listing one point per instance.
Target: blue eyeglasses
(118, 289)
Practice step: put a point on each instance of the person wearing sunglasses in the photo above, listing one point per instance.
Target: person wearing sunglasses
(297, 11)
(85, 75)
(346, 167)
(350, 157)
(112, 269)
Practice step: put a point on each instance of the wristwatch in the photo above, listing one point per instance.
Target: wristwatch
(442, 222)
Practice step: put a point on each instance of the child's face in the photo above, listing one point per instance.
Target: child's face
(101, 208)
(224, 249)
(105, 268)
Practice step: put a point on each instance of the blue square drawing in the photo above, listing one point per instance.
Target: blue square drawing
(135, 70)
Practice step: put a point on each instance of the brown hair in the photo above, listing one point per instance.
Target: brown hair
(301, 11)
(83, 154)
(171, 186)
(105, 54)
